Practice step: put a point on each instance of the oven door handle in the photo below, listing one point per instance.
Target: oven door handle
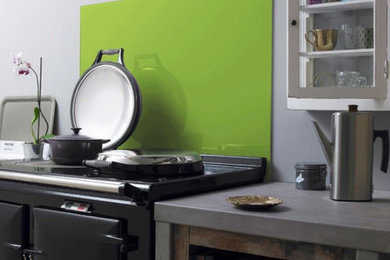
(13, 246)
(25, 251)
(32, 251)
(128, 244)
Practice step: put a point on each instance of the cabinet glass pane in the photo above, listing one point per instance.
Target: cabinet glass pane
(339, 72)
(336, 46)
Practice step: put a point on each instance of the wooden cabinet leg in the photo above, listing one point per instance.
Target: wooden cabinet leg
(181, 242)
(164, 241)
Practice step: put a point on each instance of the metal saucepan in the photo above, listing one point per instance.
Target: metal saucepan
(75, 148)
(150, 162)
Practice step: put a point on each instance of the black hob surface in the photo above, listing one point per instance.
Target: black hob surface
(219, 172)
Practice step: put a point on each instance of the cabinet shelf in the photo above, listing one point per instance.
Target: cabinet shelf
(337, 6)
(337, 53)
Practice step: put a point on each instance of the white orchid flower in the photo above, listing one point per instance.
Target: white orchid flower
(22, 67)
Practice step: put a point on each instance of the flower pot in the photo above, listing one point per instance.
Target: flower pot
(33, 150)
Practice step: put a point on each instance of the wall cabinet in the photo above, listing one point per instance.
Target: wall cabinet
(337, 54)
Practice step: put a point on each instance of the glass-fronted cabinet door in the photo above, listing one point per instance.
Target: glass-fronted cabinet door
(337, 49)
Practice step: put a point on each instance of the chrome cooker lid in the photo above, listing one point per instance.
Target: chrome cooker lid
(150, 157)
(106, 102)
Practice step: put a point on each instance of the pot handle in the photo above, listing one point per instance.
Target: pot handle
(97, 163)
(110, 52)
(384, 135)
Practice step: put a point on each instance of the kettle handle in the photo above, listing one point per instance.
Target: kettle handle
(384, 135)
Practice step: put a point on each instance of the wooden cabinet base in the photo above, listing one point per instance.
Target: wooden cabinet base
(184, 236)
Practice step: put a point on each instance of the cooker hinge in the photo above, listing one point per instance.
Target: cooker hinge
(136, 192)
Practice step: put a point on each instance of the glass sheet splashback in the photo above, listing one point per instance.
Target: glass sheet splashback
(204, 68)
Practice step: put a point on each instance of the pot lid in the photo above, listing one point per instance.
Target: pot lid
(106, 102)
(74, 137)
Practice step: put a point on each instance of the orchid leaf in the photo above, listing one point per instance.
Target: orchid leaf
(47, 136)
(36, 116)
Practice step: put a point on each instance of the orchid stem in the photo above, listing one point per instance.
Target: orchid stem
(39, 96)
(39, 89)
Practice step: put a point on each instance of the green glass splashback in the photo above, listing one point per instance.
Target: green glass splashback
(203, 66)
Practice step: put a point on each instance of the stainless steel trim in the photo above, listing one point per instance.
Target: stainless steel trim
(233, 160)
(141, 186)
(65, 181)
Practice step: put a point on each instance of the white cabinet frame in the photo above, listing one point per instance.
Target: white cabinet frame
(333, 98)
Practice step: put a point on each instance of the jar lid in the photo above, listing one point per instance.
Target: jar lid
(310, 166)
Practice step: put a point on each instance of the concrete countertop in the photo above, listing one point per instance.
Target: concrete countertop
(307, 216)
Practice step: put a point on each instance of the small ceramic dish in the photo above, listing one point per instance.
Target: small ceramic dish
(254, 201)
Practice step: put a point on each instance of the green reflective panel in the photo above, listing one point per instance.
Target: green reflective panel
(203, 66)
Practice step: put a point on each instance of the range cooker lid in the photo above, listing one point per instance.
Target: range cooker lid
(106, 101)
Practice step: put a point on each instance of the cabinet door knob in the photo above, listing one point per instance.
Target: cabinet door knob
(294, 22)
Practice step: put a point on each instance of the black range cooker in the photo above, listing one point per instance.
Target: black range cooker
(103, 210)
(58, 212)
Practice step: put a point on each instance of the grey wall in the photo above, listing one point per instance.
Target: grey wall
(293, 136)
(48, 29)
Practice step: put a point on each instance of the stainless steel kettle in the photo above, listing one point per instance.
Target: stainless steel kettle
(350, 154)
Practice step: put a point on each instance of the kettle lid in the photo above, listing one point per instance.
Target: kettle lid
(352, 112)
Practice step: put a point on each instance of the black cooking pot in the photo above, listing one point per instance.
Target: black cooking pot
(73, 149)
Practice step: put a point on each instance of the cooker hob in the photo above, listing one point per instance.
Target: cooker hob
(218, 172)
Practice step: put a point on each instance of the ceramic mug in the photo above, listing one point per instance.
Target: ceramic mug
(322, 39)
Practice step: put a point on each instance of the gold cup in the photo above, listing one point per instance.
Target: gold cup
(322, 39)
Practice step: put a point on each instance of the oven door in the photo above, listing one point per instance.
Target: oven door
(62, 235)
(12, 226)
